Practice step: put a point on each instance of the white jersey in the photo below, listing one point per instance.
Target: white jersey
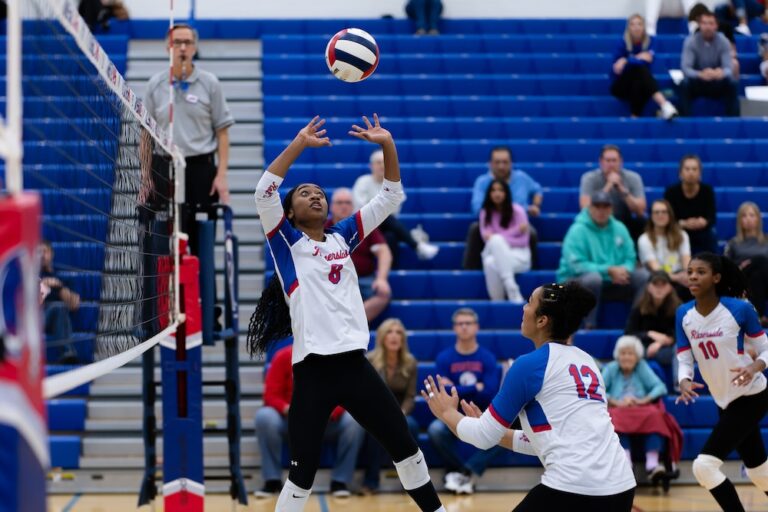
(716, 343)
(559, 394)
(318, 278)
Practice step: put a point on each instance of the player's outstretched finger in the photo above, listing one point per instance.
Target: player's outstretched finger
(319, 123)
(367, 122)
(321, 133)
(376, 119)
(440, 383)
(312, 121)
(357, 128)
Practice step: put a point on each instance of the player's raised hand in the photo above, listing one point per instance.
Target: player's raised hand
(437, 397)
(312, 136)
(372, 132)
(687, 393)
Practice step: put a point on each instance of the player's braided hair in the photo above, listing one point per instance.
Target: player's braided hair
(732, 281)
(271, 321)
(566, 305)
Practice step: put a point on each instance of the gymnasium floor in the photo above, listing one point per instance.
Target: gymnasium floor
(681, 498)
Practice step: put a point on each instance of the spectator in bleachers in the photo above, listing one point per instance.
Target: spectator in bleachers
(693, 203)
(526, 192)
(632, 77)
(473, 371)
(425, 14)
(665, 245)
(504, 228)
(624, 188)
(372, 258)
(706, 62)
(652, 319)
(59, 302)
(738, 13)
(272, 429)
(599, 253)
(397, 367)
(365, 188)
(653, 9)
(201, 130)
(749, 250)
(631, 387)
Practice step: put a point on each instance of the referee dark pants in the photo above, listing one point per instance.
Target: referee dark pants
(199, 175)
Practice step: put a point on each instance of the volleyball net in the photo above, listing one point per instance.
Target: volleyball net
(104, 173)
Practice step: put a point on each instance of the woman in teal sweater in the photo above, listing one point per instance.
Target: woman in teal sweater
(630, 382)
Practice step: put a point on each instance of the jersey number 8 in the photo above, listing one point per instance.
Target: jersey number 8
(334, 275)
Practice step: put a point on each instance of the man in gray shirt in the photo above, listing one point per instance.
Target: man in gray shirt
(624, 187)
(706, 64)
(201, 128)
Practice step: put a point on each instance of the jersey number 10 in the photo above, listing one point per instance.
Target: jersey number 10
(586, 371)
(709, 349)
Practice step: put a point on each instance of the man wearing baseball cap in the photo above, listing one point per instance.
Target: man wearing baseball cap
(599, 253)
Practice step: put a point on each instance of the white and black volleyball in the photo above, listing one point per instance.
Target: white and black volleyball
(352, 55)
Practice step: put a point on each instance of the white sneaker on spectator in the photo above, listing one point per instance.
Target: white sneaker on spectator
(466, 485)
(515, 297)
(668, 111)
(419, 234)
(426, 251)
(453, 480)
(743, 29)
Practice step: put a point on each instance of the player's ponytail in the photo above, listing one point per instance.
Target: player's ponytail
(271, 321)
(566, 305)
(732, 281)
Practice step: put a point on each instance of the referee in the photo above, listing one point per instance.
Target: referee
(201, 130)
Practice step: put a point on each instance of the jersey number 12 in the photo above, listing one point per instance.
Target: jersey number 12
(586, 371)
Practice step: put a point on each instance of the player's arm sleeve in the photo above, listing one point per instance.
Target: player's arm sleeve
(754, 333)
(355, 228)
(521, 443)
(383, 204)
(521, 385)
(684, 352)
(483, 432)
(268, 202)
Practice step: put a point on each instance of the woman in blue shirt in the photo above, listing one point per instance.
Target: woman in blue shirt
(630, 382)
(631, 72)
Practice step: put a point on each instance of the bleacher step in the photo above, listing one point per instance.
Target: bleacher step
(119, 447)
(234, 90)
(133, 410)
(150, 49)
(242, 69)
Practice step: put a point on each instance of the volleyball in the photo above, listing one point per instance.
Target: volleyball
(352, 55)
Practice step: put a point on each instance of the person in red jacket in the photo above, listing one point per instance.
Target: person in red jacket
(272, 429)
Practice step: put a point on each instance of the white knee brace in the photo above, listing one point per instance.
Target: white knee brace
(706, 469)
(759, 476)
(413, 471)
(292, 498)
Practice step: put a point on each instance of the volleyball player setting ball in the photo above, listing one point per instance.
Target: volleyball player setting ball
(713, 330)
(315, 295)
(559, 395)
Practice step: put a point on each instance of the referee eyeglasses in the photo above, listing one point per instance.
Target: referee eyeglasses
(464, 323)
(178, 43)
